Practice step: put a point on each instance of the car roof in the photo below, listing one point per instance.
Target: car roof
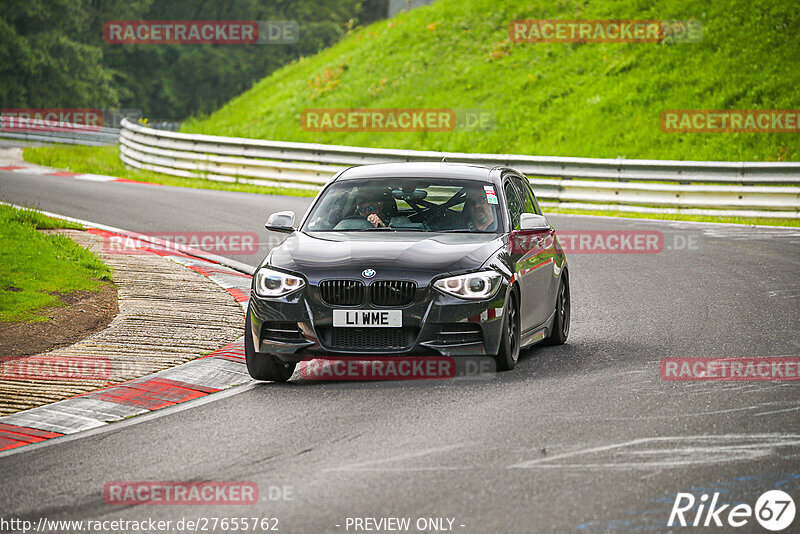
(466, 171)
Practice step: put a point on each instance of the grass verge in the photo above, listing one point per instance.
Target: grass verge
(36, 267)
(105, 160)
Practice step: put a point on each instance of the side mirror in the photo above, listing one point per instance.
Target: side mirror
(282, 221)
(532, 221)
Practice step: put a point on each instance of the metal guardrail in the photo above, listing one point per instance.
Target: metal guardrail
(702, 187)
(61, 132)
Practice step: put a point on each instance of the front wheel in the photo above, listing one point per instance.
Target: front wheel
(509, 344)
(560, 329)
(264, 366)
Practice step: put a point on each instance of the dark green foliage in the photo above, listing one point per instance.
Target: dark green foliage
(52, 53)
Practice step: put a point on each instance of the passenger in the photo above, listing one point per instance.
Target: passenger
(481, 216)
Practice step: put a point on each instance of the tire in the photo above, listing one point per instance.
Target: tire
(558, 336)
(264, 366)
(508, 355)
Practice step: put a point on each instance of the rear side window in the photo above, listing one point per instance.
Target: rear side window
(526, 194)
(533, 196)
(514, 205)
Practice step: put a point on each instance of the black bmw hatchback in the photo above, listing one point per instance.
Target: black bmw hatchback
(409, 259)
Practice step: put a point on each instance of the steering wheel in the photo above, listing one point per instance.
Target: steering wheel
(435, 211)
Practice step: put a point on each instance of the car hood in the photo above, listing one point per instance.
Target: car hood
(415, 255)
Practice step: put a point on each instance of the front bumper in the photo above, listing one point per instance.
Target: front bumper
(300, 326)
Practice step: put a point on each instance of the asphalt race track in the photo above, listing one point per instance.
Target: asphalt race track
(582, 437)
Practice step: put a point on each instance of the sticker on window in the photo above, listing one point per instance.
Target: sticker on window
(491, 196)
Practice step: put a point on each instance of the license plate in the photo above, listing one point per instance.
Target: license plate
(374, 318)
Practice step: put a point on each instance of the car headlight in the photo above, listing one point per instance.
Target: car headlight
(271, 284)
(480, 285)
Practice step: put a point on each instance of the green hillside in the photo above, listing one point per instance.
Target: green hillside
(591, 100)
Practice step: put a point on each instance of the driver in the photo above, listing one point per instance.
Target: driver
(373, 210)
(481, 215)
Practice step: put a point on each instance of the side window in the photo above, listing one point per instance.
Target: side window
(533, 196)
(528, 204)
(514, 205)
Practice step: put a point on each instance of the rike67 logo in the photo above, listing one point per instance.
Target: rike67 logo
(774, 510)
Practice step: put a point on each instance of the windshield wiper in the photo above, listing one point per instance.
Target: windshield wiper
(462, 231)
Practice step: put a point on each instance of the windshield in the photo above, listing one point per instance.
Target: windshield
(407, 204)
